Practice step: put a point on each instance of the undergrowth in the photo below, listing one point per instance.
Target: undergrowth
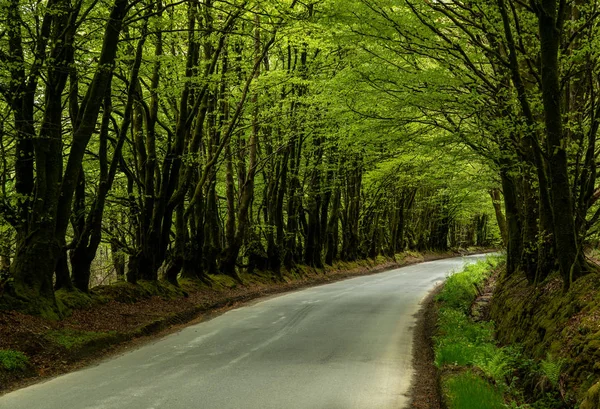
(13, 360)
(478, 373)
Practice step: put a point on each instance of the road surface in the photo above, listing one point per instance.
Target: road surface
(345, 345)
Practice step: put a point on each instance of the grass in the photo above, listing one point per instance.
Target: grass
(478, 373)
(469, 391)
(461, 342)
(72, 339)
(461, 288)
(13, 360)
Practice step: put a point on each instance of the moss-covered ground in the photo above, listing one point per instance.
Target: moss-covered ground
(72, 339)
(558, 329)
(13, 360)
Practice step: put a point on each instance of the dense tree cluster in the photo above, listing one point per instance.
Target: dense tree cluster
(518, 82)
(190, 138)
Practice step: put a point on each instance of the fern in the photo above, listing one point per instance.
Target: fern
(551, 369)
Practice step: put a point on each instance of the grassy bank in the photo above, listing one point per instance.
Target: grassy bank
(465, 351)
(477, 372)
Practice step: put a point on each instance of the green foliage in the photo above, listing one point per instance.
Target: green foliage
(309, 113)
(469, 391)
(454, 354)
(74, 339)
(461, 288)
(561, 338)
(462, 341)
(551, 368)
(13, 360)
(495, 363)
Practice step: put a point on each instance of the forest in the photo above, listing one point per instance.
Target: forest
(169, 140)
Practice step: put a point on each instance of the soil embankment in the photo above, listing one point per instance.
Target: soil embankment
(554, 326)
(546, 348)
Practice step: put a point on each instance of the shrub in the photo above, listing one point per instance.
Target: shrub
(13, 360)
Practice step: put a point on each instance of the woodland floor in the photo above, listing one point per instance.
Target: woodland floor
(90, 335)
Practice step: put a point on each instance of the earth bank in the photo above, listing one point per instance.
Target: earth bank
(555, 326)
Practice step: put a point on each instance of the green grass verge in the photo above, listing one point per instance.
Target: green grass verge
(470, 391)
(13, 360)
(477, 373)
(468, 346)
(461, 288)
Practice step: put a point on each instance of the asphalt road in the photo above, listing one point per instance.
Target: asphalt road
(345, 345)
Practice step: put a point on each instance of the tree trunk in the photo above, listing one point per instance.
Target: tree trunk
(570, 256)
(495, 194)
(513, 223)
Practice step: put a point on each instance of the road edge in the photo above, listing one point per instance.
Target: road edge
(167, 325)
(425, 389)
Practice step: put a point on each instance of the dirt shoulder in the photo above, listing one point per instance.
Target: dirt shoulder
(127, 318)
(425, 389)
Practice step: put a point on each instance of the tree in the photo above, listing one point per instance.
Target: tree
(189, 139)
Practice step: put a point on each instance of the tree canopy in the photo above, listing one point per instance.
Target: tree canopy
(186, 139)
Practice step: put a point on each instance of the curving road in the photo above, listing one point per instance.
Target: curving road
(345, 345)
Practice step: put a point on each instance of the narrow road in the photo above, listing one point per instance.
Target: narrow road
(345, 345)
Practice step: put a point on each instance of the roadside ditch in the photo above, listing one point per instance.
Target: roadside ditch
(486, 341)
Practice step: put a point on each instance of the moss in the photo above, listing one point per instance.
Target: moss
(592, 398)
(347, 265)
(162, 289)
(304, 271)
(222, 281)
(22, 298)
(47, 311)
(74, 339)
(414, 254)
(189, 285)
(74, 299)
(13, 360)
(381, 260)
(290, 275)
(259, 277)
(122, 292)
(545, 319)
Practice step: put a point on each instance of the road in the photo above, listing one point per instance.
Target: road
(345, 345)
